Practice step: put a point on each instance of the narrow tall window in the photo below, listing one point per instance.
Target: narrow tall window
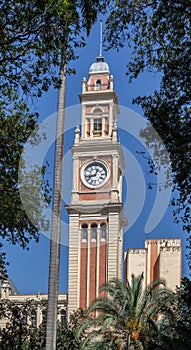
(63, 316)
(97, 124)
(103, 229)
(94, 231)
(33, 319)
(44, 315)
(24, 318)
(98, 85)
(84, 232)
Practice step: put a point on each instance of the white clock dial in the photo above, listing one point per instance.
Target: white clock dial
(94, 174)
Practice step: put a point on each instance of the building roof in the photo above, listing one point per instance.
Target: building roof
(100, 66)
(14, 290)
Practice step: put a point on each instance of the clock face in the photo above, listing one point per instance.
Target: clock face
(94, 174)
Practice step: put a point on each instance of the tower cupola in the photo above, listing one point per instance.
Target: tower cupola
(99, 102)
(100, 66)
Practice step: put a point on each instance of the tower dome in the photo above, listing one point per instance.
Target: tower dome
(100, 66)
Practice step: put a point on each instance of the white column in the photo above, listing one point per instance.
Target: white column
(120, 253)
(83, 121)
(111, 82)
(97, 261)
(38, 316)
(120, 187)
(91, 127)
(88, 268)
(115, 169)
(110, 120)
(75, 196)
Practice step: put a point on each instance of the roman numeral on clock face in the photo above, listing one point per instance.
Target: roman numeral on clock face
(95, 173)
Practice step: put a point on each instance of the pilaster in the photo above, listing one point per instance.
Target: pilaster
(73, 263)
(113, 250)
(75, 195)
(115, 180)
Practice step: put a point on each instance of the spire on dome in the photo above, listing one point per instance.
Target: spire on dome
(100, 66)
(100, 51)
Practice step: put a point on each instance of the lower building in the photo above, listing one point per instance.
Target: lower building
(160, 259)
(9, 293)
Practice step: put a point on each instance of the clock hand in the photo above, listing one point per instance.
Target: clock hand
(90, 175)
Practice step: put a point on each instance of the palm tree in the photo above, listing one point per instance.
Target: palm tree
(54, 264)
(70, 24)
(127, 317)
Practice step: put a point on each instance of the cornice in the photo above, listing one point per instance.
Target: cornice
(102, 148)
(102, 95)
(100, 209)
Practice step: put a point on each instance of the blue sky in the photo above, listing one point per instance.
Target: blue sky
(29, 269)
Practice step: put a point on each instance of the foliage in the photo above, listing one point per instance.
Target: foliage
(177, 334)
(18, 317)
(37, 338)
(19, 334)
(127, 316)
(159, 33)
(32, 39)
(34, 36)
(66, 332)
(183, 314)
(15, 129)
(16, 124)
(65, 340)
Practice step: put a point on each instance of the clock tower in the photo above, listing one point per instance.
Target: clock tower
(96, 211)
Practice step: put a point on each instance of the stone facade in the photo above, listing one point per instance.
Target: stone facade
(160, 259)
(8, 292)
(96, 210)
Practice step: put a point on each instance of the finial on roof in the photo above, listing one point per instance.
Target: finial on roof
(77, 134)
(114, 131)
(77, 130)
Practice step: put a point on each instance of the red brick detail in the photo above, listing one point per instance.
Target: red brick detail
(92, 287)
(93, 80)
(102, 266)
(156, 269)
(153, 261)
(83, 275)
(94, 196)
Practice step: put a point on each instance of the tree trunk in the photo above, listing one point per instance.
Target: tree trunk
(54, 263)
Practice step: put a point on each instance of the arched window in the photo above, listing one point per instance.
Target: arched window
(97, 120)
(103, 231)
(24, 318)
(63, 316)
(98, 84)
(33, 319)
(94, 231)
(84, 232)
(44, 315)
